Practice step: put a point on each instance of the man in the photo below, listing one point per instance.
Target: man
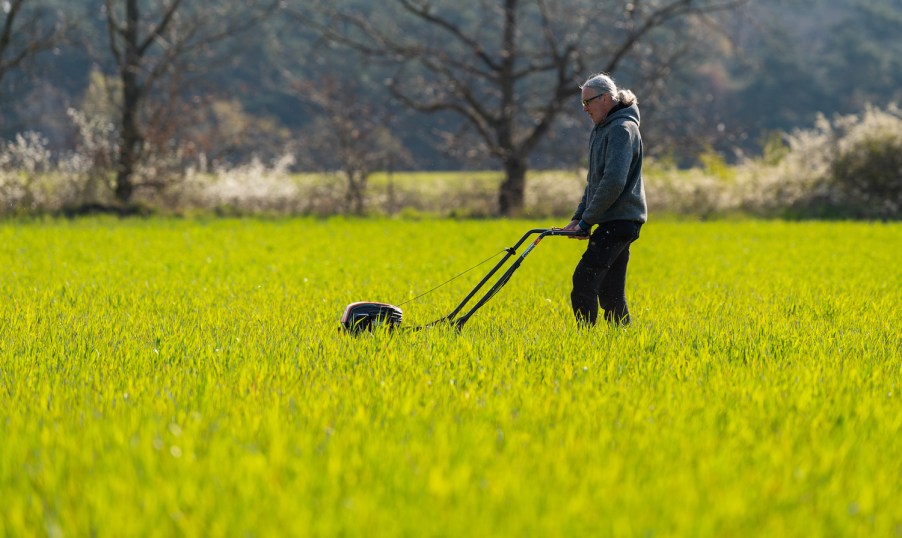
(613, 202)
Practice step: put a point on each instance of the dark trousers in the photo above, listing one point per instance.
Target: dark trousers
(600, 276)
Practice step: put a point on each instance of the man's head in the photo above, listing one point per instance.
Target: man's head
(600, 94)
(596, 104)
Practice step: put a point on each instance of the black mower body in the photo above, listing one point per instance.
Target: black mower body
(366, 316)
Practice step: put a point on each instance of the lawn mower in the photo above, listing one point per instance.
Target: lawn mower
(366, 316)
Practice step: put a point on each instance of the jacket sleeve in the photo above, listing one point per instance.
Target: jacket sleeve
(617, 159)
(578, 214)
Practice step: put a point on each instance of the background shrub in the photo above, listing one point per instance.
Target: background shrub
(850, 167)
(867, 176)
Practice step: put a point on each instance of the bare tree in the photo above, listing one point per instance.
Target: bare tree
(25, 33)
(507, 68)
(157, 52)
(350, 134)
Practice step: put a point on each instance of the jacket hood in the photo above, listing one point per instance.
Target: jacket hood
(621, 113)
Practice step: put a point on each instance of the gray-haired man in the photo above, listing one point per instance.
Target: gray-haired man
(614, 202)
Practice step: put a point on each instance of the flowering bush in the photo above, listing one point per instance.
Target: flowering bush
(865, 174)
(24, 168)
(850, 167)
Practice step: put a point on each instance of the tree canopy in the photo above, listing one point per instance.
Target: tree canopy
(773, 66)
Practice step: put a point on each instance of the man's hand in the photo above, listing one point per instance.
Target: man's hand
(574, 226)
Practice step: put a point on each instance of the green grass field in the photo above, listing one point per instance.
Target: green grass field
(187, 377)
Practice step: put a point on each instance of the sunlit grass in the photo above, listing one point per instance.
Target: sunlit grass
(166, 377)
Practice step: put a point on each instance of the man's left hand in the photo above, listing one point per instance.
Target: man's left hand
(574, 227)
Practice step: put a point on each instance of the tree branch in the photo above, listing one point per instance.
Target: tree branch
(38, 40)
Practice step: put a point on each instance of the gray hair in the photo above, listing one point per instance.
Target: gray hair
(605, 84)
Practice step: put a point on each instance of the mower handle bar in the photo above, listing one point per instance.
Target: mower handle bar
(512, 251)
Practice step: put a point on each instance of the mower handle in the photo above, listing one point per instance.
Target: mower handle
(512, 251)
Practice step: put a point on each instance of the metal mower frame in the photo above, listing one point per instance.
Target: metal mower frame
(364, 316)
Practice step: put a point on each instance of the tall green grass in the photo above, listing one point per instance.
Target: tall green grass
(170, 377)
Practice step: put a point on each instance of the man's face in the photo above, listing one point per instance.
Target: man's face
(596, 104)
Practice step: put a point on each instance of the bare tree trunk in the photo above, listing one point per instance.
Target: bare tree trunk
(510, 195)
(129, 135)
(129, 148)
(391, 203)
(513, 188)
(355, 196)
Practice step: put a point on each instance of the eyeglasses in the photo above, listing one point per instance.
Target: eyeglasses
(590, 99)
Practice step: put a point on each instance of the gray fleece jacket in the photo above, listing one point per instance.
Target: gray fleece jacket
(614, 187)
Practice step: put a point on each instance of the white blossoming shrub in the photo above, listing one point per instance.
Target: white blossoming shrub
(865, 176)
(90, 168)
(850, 167)
(251, 188)
(26, 174)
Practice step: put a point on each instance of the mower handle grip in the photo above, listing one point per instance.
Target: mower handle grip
(548, 231)
(571, 233)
